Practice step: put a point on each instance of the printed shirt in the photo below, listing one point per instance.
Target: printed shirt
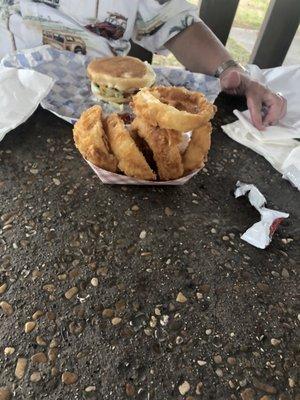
(94, 27)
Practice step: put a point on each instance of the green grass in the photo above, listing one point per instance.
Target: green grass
(250, 13)
(238, 52)
(169, 60)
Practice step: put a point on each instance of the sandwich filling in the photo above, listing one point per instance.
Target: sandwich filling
(112, 93)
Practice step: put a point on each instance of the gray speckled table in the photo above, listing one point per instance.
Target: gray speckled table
(124, 335)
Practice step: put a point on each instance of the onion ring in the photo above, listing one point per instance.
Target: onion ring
(164, 144)
(173, 108)
(131, 160)
(90, 139)
(196, 153)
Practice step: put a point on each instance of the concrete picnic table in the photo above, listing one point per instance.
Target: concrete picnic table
(110, 292)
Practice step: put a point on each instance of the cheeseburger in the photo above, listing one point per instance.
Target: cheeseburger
(116, 79)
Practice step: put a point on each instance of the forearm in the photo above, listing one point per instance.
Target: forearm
(198, 49)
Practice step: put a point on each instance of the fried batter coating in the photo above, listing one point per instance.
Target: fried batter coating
(173, 108)
(131, 160)
(164, 144)
(196, 153)
(90, 139)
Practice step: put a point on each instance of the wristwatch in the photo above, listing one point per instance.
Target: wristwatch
(228, 64)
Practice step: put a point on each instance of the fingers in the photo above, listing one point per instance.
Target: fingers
(233, 82)
(271, 116)
(254, 103)
(277, 106)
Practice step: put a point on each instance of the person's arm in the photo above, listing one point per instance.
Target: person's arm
(199, 50)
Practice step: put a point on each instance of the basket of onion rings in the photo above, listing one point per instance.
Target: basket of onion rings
(166, 143)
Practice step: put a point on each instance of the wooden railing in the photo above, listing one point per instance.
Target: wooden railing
(219, 16)
(275, 36)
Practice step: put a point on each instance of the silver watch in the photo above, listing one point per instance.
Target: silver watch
(228, 64)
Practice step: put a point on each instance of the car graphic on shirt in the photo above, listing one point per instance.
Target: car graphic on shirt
(113, 27)
(52, 3)
(64, 41)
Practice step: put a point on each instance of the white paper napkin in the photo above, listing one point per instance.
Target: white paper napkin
(278, 143)
(21, 91)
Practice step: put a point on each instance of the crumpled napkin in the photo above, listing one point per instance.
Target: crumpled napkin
(21, 91)
(278, 143)
(260, 234)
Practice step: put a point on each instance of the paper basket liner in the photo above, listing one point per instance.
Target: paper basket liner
(111, 178)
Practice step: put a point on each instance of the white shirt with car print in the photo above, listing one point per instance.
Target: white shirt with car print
(94, 27)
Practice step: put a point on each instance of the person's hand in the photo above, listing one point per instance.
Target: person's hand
(234, 81)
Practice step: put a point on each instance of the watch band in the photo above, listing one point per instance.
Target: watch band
(225, 65)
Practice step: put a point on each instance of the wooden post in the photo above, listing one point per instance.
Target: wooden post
(139, 52)
(218, 16)
(276, 34)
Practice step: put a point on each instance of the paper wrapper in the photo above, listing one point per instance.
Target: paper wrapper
(260, 234)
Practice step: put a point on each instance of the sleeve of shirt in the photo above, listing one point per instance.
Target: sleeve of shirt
(159, 20)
